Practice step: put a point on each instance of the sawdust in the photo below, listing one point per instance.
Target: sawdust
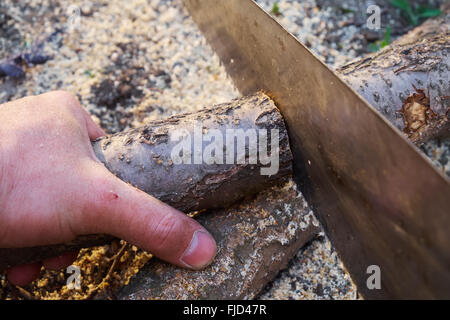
(97, 278)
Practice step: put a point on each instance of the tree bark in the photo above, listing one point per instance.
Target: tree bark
(255, 240)
(408, 82)
(142, 157)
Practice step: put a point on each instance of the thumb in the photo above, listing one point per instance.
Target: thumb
(114, 207)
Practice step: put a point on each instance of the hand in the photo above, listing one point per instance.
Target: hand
(53, 188)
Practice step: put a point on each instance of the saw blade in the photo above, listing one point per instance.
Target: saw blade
(381, 202)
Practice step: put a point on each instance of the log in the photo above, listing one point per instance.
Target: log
(408, 82)
(255, 240)
(143, 157)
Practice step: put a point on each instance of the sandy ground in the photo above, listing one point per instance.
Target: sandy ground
(136, 60)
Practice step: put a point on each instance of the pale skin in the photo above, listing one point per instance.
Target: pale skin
(53, 188)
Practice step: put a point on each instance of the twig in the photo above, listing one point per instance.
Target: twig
(11, 15)
(116, 259)
(25, 294)
(19, 292)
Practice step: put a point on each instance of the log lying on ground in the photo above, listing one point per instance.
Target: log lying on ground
(255, 240)
(143, 157)
(408, 82)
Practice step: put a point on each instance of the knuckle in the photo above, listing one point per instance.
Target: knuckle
(63, 95)
(164, 231)
(66, 98)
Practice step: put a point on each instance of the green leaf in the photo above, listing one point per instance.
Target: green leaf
(428, 13)
(413, 19)
(406, 9)
(387, 35)
(276, 9)
(346, 10)
(387, 38)
(374, 47)
(402, 4)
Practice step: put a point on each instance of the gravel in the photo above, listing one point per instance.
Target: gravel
(315, 273)
(336, 31)
(145, 59)
(327, 33)
(96, 55)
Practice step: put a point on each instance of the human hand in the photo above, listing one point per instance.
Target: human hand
(53, 188)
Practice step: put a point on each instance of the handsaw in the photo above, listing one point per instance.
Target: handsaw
(380, 201)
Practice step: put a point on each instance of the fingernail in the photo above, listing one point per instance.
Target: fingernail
(201, 250)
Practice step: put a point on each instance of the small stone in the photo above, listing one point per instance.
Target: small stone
(86, 9)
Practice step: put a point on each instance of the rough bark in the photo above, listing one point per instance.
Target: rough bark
(142, 157)
(408, 82)
(255, 240)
